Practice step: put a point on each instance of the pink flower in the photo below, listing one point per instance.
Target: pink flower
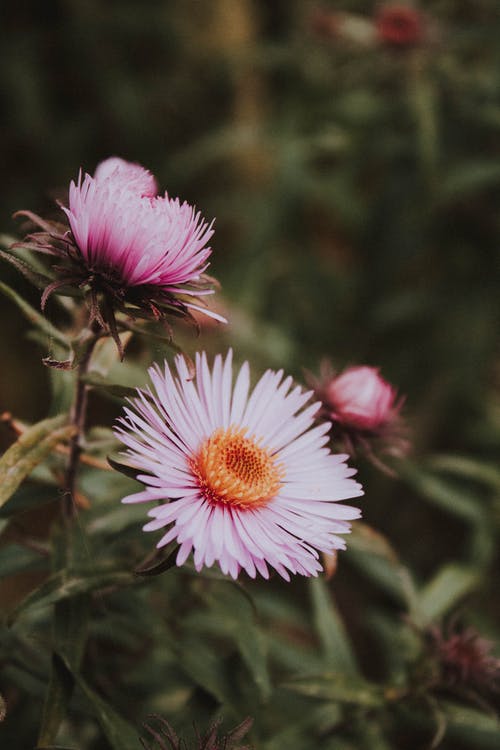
(129, 249)
(400, 26)
(243, 477)
(361, 399)
(129, 237)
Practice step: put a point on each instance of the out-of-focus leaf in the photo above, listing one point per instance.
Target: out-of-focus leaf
(206, 668)
(30, 495)
(469, 178)
(60, 586)
(443, 493)
(341, 688)
(100, 383)
(30, 449)
(106, 354)
(337, 651)
(373, 553)
(470, 468)
(14, 558)
(444, 591)
(120, 734)
(57, 698)
(36, 318)
(477, 728)
(232, 614)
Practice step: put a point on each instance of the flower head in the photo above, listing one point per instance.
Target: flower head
(360, 398)
(243, 478)
(364, 408)
(129, 248)
(399, 26)
(465, 659)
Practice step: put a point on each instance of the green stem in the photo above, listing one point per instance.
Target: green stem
(70, 617)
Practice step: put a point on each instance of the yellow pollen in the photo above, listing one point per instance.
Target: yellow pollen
(235, 470)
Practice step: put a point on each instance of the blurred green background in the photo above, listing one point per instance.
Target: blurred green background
(355, 185)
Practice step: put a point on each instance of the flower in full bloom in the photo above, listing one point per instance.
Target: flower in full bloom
(243, 477)
(399, 26)
(129, 248)
(364, 408)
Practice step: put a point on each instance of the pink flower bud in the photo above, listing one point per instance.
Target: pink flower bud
(361, 399)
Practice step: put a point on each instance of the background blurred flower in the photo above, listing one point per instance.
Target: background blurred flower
(400, 25)
(465, 659)
(249, 477)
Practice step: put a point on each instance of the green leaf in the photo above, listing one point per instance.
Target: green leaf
(231, 612)
(115, 390)
(444, 591)
(14, 558)
(106, 354)
(122, 467)
(36, 318)
(200, 662)
(160, 562)
(30, 495)
(58, 695)
(342, 688)
(30, 449)
(442, 493)
(372, 552)
(476, 728)
(36, 278)
(471, 468)
(468, 178)
(61, 586)
(120, 734)
(337, 651)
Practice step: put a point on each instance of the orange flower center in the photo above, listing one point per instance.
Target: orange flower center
(236, 470)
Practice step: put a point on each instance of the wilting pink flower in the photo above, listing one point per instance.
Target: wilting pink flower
(400, 26)
(129, 248)
(243, 478)
(360, 398)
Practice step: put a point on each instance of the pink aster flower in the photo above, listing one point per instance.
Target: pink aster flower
(129, 248)
(243, 477)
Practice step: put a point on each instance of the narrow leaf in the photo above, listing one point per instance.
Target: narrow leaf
(159, 562)
(337, 651)
(37, 279)
(445, 590)
(36, 318)
(120, 734)
(31, 448)
(335, 687)
(60, 586)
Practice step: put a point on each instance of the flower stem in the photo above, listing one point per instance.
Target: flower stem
(78, 419)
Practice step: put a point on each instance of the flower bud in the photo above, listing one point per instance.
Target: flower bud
(361, 399)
